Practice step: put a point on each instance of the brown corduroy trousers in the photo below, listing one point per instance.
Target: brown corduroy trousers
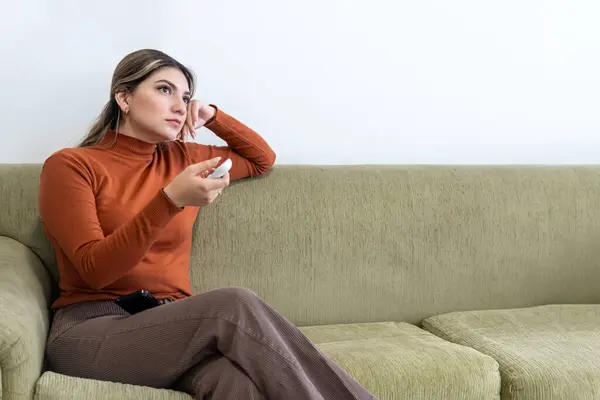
(222, 344)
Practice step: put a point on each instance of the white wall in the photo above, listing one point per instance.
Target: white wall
(325, 81)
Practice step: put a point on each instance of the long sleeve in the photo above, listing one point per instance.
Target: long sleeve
(68, 210)
(248, 151)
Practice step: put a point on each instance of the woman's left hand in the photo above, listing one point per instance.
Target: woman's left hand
(198, 115)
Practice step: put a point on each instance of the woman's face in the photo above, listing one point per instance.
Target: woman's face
(158, 106)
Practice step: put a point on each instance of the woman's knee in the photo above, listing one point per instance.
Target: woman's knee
(240, 294)
(234, 295)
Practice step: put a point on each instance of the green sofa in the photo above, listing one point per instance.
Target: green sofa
(424, 282)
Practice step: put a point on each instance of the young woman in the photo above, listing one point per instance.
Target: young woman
(119, 210)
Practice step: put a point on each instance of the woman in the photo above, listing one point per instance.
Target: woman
(119, 210)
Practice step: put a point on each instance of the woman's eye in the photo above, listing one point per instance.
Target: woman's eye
(165, 89)
(186, 100)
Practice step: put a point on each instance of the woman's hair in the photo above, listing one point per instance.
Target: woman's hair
(129, 73)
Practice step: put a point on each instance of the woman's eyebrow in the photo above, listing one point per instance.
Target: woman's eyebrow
(172, 84)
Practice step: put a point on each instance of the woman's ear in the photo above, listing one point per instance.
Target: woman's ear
(123, 99)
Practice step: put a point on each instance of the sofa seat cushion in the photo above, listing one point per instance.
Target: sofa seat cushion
(400, 361)
(545, 352)
(53, 386)
(392, 360)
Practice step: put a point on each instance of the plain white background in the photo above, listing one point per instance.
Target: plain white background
(325, 81)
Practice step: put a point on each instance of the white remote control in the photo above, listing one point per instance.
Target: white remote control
(221, 170)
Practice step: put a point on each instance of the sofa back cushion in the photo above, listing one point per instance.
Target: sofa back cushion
(342, 244)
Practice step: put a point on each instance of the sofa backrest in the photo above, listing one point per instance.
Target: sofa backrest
(342, 244)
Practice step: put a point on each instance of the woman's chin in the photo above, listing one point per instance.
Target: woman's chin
(167, 135)
(173, 133)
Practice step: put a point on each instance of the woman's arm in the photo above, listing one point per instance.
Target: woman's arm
(68, 210)
(249, 152)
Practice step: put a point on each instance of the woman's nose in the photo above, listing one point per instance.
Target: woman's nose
(179, 106)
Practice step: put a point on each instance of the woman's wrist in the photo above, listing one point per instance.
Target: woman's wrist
(171, 197)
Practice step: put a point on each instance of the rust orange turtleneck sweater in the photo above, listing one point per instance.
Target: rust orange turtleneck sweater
(113, 229)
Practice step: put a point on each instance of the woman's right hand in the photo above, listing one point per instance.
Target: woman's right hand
(191, 187)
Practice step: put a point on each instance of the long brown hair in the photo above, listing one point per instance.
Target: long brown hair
(129, 73)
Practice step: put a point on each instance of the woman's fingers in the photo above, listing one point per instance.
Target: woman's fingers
(195, 110)
(207, 172)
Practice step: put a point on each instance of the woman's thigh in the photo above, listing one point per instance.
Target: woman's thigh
(151, 348)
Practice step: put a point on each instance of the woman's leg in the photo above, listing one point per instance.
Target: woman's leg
(218, 378)
(158, 346)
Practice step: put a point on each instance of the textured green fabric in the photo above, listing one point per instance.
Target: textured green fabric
(343, 244)
(19, 213)
(366, 244)
(52, 386)
(24, 296)
(352, 243)
(547, 352)
(401, 361)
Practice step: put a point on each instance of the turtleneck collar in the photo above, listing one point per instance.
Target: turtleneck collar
(127, 145)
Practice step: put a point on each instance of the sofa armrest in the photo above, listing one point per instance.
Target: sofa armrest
(25, 291)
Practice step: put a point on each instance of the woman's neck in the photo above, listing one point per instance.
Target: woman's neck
(128, 129)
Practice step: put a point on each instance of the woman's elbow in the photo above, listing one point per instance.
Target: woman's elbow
(91, 273)
(261, 165)
(93, 280)
(266, 166)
